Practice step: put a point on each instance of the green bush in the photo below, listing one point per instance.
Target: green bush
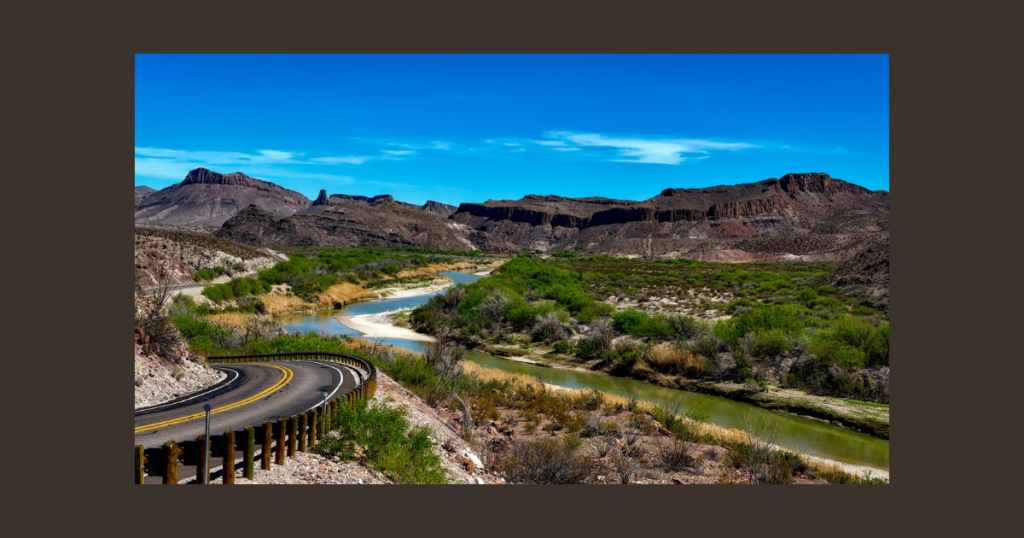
(594, 311)
(640, 324)
(563, 347)
(403, 455)
(788, 319)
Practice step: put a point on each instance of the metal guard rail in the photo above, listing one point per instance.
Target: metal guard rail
(303, 430)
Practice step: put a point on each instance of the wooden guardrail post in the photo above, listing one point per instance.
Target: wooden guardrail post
(302, 432)
(140, 464)
(267, 435)
(312, 426)
(293, 424)
(171, 461)
(228, 465)
(201, 469)
(249, 456)
(281, 437)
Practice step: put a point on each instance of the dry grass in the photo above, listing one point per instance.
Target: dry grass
(437, 268)
(282, 304)
(343, 294)
(669, 358)
(231, 319)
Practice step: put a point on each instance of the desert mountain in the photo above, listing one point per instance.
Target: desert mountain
(141, 192)
(810, 217)
(207, 199)
(323, 201)
(383, 224)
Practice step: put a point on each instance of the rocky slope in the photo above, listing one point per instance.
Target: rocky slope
(868, 268)
(141, 192)
(164, 370)
(800, 216)
(207, 199)
(384, 224)
(181, 253)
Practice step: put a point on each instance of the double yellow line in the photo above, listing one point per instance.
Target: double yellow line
(285, 379)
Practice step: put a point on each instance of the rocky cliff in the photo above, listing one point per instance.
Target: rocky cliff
(799, 215)
(207, 199)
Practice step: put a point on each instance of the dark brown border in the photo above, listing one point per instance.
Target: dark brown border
(75, 78)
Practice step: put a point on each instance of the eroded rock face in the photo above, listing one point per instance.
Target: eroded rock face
(348, 225)
(800, 215)
(321, 199)
(207, 199)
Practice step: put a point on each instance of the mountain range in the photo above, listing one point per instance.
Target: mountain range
(809, 216)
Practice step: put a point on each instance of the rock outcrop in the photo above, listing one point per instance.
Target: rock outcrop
(207, 199)
(797, 215)
(348, 225)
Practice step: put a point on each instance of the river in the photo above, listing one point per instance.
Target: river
(798, 433)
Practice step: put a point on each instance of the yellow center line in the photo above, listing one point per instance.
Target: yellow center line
(285, 379)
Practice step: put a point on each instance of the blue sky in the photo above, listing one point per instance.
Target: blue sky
(466, 128)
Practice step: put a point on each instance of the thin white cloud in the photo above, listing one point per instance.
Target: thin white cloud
(163, 163)
(645, 150)
(218, 157)
(436, 144)
(566, 149)
(344, 160)
(548, 142)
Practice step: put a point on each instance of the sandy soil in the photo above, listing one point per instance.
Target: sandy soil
(379, 326)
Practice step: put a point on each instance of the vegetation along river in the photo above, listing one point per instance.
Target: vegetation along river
(798, 433)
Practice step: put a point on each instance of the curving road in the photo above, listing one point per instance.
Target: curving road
(252, 394)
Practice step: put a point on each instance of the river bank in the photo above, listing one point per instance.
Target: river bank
(381, 326)
(863, 417)
(804, 434)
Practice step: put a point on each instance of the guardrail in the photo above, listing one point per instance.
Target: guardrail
(287, 435)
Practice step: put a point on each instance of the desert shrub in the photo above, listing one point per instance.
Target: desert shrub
(709, 346)
(493, 306)
(177, 373)
(158, 326)
(806, 295)
(787, 318)
(685, 327)
(877, 347)
(665, 358)
(629, 321)
(625, 465)
(595, 311)
(547, 327)
(598, 342)
(406, 456)
(563, 346)
(640, 324)
(545, 461)
(675, 454)
(625, 356)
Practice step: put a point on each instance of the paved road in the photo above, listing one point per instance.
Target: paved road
(255, 393)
